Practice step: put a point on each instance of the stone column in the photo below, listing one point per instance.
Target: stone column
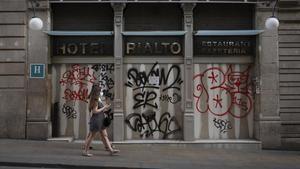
(118, 127)
(188, 120)
(267, 98)
(38, 90)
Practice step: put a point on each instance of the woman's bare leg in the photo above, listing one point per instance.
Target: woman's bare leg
(103, 134)
(107, 142)
(88, 142)
(86, 138)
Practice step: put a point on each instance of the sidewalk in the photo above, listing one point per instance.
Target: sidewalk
(46, 154)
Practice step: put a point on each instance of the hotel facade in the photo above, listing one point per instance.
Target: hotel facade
(177, 71)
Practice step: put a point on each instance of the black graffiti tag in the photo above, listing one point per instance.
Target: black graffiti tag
(147, 128)
(154, 79)
(141, 80)
(104, 67)
(164, 79)
(69, 111)
(175, 98)
(145, 98)
(103, 73)
(222, 125)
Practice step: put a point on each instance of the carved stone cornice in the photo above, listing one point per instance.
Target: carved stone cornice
(188, 8)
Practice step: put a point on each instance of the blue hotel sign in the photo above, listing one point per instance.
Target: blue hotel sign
(37, 70)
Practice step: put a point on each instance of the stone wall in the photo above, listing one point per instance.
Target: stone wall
(12, 68)
(24, 110)
(289, 72)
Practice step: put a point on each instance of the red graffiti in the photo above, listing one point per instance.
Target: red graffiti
(77, 76)
(81, 94)
(74, 78)
(223, 92)
(218, 101)
(213, 77)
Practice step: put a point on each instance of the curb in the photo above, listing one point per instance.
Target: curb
(67, 166)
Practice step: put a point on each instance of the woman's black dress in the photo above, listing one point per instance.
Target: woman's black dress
(96, 121)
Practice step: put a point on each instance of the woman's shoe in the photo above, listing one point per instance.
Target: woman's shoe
(114, 151)
(87, 154)
(112, 146)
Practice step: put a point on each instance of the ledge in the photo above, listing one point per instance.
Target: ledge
(154, 33)
(227, 32)
(79, 33)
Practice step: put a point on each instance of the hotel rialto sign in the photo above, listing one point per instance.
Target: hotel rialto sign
(152, 46)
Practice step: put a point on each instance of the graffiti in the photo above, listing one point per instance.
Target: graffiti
(175, 98)
(69, 111)
(147, 128)
(221, 93)
(145, 98)
(222, 125)
(150, 87)
(105, 81)
(141, 80)
(103, 73)
(80, 94)
(77, 76)
(104, 67)
(218, 101)
(156, 78)
(241, 103)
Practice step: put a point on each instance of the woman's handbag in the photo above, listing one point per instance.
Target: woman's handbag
(108, 118)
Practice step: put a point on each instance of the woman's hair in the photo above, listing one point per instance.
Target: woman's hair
(94, 96)
(93, 103)
(95, 90)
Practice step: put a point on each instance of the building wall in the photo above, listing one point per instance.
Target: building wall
(220, 86)
(13, 52)
(26, 104)
(289, 69)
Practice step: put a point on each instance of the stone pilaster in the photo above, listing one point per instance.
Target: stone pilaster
(118, 128)
(267, 101)
(188, 122)
(38, 124)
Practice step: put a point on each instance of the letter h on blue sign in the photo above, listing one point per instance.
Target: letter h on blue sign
(37, 70)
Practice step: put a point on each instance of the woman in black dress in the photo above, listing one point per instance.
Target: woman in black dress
(97, 110)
